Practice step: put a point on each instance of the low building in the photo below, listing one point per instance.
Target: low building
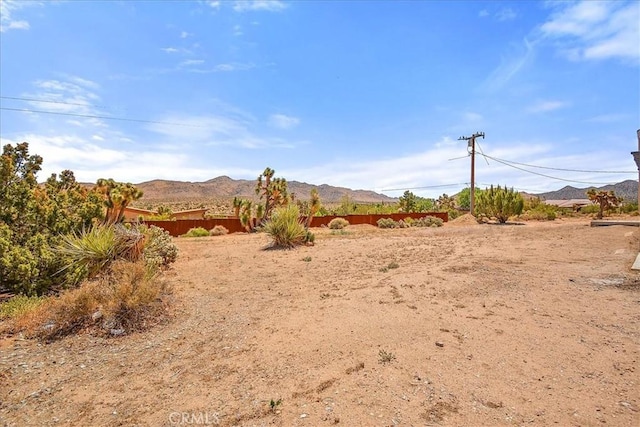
(573, 204)
(134, 214)
(190, 214)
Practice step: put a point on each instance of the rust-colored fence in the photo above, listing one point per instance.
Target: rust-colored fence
(182, 226)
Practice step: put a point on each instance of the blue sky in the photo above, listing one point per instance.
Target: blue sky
(362, 94)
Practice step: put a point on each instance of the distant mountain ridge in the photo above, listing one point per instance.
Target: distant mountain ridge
(628, 190)
(224, 187)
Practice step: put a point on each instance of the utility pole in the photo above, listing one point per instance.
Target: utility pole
(472, 145)
(636, 157)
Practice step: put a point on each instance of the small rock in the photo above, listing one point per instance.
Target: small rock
(439, 343)
(303, 415)
(116, 332)
(96, 316)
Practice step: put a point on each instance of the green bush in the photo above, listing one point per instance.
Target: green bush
(218, 230)
(159, 249)
(196, 232)
(387, 223)
(338, 223)
(18, 305)
(285, 227)
(428, 221)
(499, 203)
(541, 212)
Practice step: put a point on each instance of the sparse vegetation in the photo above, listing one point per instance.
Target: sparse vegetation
(129, 298)
(427, 221)
(385, 357)
(218, 230)
(196, 232)
(338, 223)
(540, 212)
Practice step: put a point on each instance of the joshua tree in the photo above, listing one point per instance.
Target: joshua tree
(605, 200)
(314, 207)
(273, 191)
(117, 196)
(237, 204)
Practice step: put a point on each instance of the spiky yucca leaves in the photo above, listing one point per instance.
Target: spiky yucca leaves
(500, 203)
(92, 251)
(285, 227)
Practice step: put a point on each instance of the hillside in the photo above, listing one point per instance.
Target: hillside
(628, 190)
(224, 187)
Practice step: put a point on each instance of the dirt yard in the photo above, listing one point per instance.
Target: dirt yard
(475, 325)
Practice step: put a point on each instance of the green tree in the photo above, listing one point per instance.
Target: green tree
(408, 202)
(32, 218)
(500, 203)
(605, 200)
(463, 198)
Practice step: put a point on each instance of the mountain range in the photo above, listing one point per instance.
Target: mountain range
(224, 187)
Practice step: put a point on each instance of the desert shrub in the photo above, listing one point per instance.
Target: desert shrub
(499, 203)
(159, 249)
(285, 227)
(629, 207)
(18, 305)
(196, 232)
(218, 230)
(590, 209)
(130, 298)
(428, 221)
(387, 223)
(338, 223)
(541, 212)
(409, 221)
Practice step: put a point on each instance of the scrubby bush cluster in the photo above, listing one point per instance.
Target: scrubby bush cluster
(130, 297)
(338, 223)
(541, 212)
(500, 203)
(61, 234)
(196, 232)
(218, 230)
(427, 221)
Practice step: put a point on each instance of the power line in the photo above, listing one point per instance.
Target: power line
(547, 176)
(51, 101)
(91, 116)
(556, 169)
(425, 187)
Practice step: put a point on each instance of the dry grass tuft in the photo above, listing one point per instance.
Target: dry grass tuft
(127, 299)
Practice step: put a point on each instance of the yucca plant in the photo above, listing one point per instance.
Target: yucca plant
(92, 251)
(285, 227)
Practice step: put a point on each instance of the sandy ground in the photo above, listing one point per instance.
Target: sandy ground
(478, 325)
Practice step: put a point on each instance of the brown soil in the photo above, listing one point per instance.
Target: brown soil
(486, 325)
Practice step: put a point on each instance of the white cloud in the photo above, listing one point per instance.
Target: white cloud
(506, 14)
(237, 30)
(214, 4)
(547, 106)
(191, 62)
(7, 9)
(510, 65)
(590, 30)
(259, 5)
(228, 67)
(281, 121)
(483, 13)
(216, 130)
(170, 49)
(184, 35)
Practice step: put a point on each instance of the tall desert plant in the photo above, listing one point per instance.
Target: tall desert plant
(285, 227)
(605, 200)
(500, 203)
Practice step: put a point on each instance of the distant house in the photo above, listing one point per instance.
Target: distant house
(190, 214)
(574, 204)
(134, 214)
